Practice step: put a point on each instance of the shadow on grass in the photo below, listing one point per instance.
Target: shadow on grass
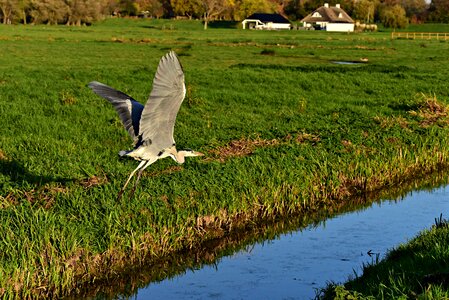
(223, 24)
(18, 174)
(149, 27)
(327, 68)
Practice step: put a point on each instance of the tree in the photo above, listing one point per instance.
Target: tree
(156, 9)
(23, 7)
(394, 16)
(295, 9)
(280, 6)
(153, 8)
(415, 9)
(364, 10)
(49, 11)
(248, 7)
(7, 8)
(128, 7)
(83, 11)
(439, 11)
(110, 7)
(146, 6)
(189, 8)
(213, 8)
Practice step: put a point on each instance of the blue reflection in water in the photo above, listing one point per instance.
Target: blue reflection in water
(292, 266)
(347, 62)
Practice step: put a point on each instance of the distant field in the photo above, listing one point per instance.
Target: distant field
(427, 28)
(285, 130)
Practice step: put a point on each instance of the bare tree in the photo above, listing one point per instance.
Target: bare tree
(7, 8)
(364, 10)
(213, 9)
(23, 7)
(84, 11)
(49, 11)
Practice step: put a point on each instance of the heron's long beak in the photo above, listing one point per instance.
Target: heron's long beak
(189, 153)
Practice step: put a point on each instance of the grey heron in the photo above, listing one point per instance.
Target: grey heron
(151, 126)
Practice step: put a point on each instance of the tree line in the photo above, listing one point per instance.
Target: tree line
(392, 13)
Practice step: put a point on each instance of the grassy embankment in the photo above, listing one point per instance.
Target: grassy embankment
(284, 133)
(418, 269)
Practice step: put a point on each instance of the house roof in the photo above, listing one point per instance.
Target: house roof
(275, 18)
(332, 14)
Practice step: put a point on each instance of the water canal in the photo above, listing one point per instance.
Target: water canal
(280, 261)
(294, 265)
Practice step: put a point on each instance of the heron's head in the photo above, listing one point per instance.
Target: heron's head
(180, 157)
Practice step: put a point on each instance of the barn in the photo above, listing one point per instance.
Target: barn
(329, 18)
(266, 21)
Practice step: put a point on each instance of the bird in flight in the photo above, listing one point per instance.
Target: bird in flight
(151, 126)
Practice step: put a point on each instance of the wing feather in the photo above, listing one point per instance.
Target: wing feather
(128, 109)
(159, 115)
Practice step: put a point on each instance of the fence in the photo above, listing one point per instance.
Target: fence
(420, 35)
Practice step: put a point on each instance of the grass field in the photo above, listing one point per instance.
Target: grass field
(284, 130)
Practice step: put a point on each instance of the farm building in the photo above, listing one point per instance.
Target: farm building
(266, 21)
(330, 19)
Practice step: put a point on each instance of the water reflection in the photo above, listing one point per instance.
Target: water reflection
(280, 261)
(342, 62)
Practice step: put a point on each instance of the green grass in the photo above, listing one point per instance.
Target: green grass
(431, 27)
(415, 270)
(298, 134)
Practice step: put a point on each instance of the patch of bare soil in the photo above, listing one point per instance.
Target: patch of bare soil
(432, 112)
(242, 147)
(93, 181)
(3, 155)
(43, 196)
(245, 146)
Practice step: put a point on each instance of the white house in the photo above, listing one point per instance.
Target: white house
(330, 19)
(266, 21)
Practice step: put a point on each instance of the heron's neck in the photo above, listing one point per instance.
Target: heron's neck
(178, 156)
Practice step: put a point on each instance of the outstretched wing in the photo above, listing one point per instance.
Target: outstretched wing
(159, 115)
(128, 109)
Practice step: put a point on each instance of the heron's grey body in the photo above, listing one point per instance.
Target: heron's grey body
(151, 126)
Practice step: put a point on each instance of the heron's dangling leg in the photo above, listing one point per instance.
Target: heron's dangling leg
(149, 162)
(142, 163)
